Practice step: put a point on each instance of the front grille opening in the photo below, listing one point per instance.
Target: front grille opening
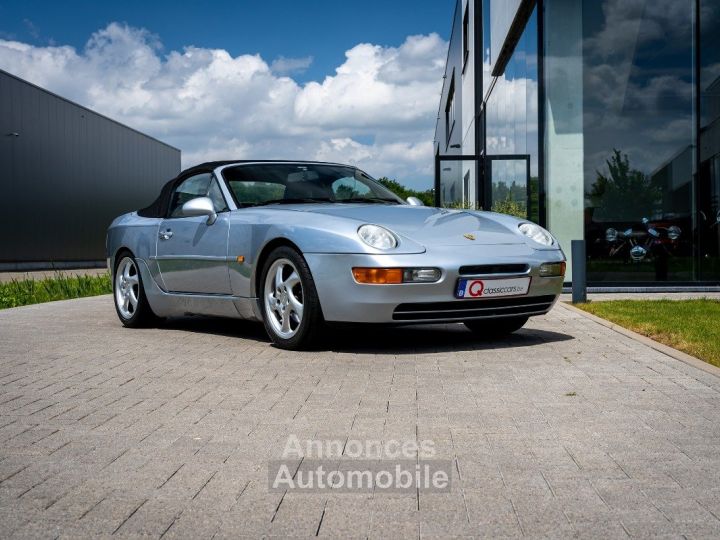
(468, 309)
(484, 269)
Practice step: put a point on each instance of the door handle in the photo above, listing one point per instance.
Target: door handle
(165, 235)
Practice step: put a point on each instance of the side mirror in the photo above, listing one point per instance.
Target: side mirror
(200, 206)
(414, 201)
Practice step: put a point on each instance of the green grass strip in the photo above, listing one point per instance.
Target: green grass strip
(691, 326)
(23, 292)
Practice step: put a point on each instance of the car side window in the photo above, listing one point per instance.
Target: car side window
(190, 188)
(216, 196)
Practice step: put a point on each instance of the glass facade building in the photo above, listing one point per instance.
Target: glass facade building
(599, 119)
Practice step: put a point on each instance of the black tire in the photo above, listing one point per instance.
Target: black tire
(304, 331)
(140, 315)
(491, 328)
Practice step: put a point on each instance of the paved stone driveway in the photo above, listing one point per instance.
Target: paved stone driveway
(565, 429)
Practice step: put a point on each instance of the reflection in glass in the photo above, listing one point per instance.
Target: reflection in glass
(509, 180)
(708, 183)
(454, 183)
(511, 114)
(638, 139)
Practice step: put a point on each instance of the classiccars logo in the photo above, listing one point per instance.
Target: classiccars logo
(476, 288)
(505, 290)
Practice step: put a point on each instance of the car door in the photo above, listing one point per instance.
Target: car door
(192, 255)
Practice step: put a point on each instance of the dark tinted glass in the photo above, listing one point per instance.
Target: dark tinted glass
(257, 184)
(708, 187)
(190, 188)
(638, 67)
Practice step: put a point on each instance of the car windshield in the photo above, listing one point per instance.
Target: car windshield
(298, 183)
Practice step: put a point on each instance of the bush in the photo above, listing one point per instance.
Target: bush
(403, 192)
(61, 287)
(510, 207)
(505, 206)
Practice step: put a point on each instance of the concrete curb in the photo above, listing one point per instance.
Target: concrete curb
(669, 351)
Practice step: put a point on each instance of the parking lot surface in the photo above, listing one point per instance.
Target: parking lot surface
(565, 429)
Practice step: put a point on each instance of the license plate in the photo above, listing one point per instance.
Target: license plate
(492, 288)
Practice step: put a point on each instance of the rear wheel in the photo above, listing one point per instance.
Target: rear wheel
(290, 305)
(496, 327)
(131, 303)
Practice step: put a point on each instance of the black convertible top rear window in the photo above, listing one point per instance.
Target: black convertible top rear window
(159, 207)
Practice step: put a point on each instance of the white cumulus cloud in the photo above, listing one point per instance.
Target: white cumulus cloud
(214, 105)
(282, 65)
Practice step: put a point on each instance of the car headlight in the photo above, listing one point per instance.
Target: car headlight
(536, 233)
(377, 237)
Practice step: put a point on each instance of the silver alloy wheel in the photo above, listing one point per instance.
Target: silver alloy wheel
(127, 287)
(284, 298)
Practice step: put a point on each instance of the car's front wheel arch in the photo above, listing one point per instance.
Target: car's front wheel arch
(262, 259)
(288, 300)
(141, 314)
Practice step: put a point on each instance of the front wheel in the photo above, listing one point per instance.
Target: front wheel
(131, 303)
(496, 327)
(289, 302)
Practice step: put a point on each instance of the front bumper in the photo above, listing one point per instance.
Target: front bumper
(345, 300)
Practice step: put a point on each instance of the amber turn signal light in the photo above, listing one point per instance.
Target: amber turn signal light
(556, 269)
(378, 276)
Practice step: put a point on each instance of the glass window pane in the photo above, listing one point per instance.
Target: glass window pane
(216, 196)
(193, 187)
(350, 188)
(509, 186)
(708, 183)
(456, 176)
(250, 192)
(511, 113)
(638, 107)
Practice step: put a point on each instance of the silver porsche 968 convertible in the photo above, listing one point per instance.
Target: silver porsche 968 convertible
(301, 244)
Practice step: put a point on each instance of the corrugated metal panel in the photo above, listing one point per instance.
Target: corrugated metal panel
(68, 174)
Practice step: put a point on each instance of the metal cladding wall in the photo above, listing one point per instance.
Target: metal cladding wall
(65, 174)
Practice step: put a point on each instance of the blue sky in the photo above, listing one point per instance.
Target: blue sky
(321, 29)
(353, 82)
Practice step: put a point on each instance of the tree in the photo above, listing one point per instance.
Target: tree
(403, 192)
(626, 193)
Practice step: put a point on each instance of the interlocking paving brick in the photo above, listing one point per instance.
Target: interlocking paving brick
(564, 429)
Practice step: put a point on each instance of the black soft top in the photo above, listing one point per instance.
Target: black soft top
(159, 207)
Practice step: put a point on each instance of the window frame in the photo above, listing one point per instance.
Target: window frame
(181, 181)
(356, 171)
(450, 107)
(466, 36)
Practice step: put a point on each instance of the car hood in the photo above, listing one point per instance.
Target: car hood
(425, 225)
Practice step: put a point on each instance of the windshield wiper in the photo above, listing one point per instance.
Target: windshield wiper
(300, 200)
(372, 200)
